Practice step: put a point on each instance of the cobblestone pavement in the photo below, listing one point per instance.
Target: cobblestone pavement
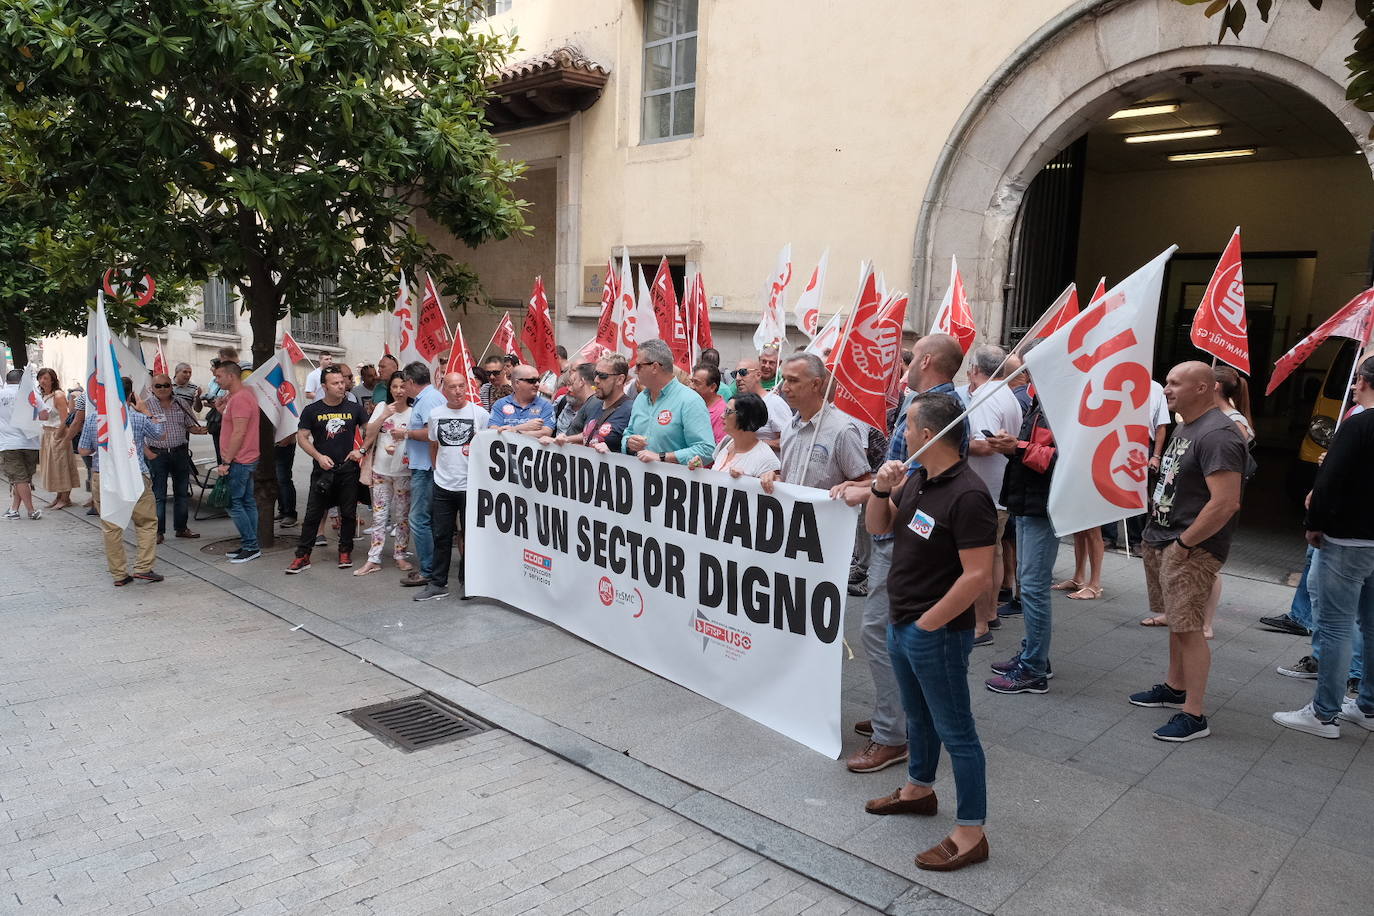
(167, 748)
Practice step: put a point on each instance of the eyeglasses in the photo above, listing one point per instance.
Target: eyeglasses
(530, 380)
(740, 373)
(602, 376)
(643, 365)
(162, 384)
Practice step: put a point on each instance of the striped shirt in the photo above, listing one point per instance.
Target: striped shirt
(174, 422)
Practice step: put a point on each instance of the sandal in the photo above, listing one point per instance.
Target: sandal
(1154, 622)
(1087, 593)
(366, 568)
(1068, 585)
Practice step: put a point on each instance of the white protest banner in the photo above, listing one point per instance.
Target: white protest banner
(702, 579)
(1093, 378)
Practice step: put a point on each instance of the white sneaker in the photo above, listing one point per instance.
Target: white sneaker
(1351, 712)
(1305, 720)
(11, 513)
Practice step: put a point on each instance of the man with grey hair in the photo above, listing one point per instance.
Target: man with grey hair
(184, 390)
(669, 421)
(995, 414)
(823, 446)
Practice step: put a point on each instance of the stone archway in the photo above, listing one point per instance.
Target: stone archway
(1094, 58)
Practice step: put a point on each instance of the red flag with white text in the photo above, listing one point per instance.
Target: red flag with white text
(1093, 379)
(537, 334)
(670, 324)
(607, 330)
(432, 337)
(863, 360)
(896, 376)
(954, 316)
(460, 357)
(1219, 326)
(1061, 312)
(504, 339)
(1099, 292)
(293, 349)
(1355, 320)
(160, 361)
(701, 315)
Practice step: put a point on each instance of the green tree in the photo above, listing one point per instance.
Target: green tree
(1360, 63)
(283, 144)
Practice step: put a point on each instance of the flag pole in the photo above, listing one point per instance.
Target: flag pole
(991, 389)
(1350, 382)
(830, 382)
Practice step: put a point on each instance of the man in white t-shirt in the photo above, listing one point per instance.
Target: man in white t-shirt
(999, 414)
(749, 380)
(314, 390)
(452, 428)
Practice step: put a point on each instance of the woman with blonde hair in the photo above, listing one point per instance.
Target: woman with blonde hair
(57, 469)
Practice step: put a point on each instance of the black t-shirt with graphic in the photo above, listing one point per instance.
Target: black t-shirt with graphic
(1210, 444)
(335, 431)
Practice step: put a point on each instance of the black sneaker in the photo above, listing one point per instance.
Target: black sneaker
(858, 589)
(1285, 623)
(1160, 695)
(431, 592)
(149, 576)
(1012, 663)
(984, 640)
(1305, 667)
(320, 541)
(289, 521)
(1003, 595)
(1183, 727)
(243, 556)
(1011, 608)
(995, 623)
(1018, 680)
(857, 573)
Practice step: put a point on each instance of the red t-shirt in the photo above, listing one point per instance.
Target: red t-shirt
(242, 405)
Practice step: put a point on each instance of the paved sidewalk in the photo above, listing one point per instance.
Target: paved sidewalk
(1085, 807)
(170, 748)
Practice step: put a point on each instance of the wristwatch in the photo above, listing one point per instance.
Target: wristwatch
(873, 488)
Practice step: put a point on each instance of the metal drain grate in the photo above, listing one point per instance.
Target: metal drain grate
(416, 722)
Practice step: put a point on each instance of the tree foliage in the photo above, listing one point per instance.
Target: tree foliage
(1359, 88)
(284, 144)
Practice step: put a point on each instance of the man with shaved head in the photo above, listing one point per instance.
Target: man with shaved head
(1192, 519)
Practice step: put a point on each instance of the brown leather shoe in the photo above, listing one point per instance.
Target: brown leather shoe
(946, 857)
(160, 539)
(895, 804)
(187, 533)
(876, 757)
(864, 728)
(413, 579)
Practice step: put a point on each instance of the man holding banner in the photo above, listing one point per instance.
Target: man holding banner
(1192, 518)
(669, 421)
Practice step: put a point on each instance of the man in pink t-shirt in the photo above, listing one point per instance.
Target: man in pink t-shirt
(706, 382)
(239, 451)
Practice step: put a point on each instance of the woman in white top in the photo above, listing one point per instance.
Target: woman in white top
(740, 453)
(56, 461)
(389, 474)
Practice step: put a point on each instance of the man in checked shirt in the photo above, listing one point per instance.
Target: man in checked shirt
(171, 456)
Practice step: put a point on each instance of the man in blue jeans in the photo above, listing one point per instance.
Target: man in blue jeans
(944, 527)
(239, 457)
(1340, 523)
(426, 398)
(1026, 494)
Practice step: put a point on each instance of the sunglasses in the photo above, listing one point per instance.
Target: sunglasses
(740, 373)
(530, 380)
(162, 385)
(643, 365)
(730, 411)
(602, 376)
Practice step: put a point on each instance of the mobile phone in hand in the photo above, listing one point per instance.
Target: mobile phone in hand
(987, 433)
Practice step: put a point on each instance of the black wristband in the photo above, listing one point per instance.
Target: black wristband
(879, 493)
(1180, 543)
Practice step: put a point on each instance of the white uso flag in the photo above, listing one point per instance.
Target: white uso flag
(27, 405)
(1093, 379)
(121, 480)
(772, 329)
(274, 386)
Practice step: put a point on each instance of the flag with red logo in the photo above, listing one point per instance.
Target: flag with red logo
(160, 361)
(1219, 326)
(954, 317)
(772, 329)
(28, 405)
(863, 360)
(627, 341)
(274, 385)
(432, 337)
(607, 330)
(823, 344)
(1093, 379)
(294, 353)
(699, 310)
(1061, 312)
(646, 319)
(668, 314)
(808, 308)
(896, 377)
(403, 326)
(537, 334)
(121, 478)
(1099, 292)
(460, 357)
(504, 339)
(1355, 320)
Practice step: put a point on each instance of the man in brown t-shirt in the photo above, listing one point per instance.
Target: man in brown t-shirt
(944, 525)
(1192, 518)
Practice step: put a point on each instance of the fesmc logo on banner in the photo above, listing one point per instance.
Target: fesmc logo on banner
(710, 582)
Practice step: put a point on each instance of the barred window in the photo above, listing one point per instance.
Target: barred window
(320, 326)
(670, 69)
(219, 307)
(496, 7)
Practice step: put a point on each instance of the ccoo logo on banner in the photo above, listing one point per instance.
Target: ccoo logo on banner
(704, 580)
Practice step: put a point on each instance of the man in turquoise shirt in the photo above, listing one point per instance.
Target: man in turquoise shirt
(669, 421)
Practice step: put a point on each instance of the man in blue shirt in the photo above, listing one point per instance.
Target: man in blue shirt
(524, 410)
(669, 421)
(936, 359)
(426, 398)
(144, 516)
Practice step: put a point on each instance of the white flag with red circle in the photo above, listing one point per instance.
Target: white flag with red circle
(772, 329)
(808, 308)
(403, 326)
(1219, 326)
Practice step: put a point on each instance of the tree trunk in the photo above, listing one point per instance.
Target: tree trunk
(262, 318)
(19, 345)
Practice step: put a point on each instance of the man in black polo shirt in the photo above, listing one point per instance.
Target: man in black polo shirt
(944, 527)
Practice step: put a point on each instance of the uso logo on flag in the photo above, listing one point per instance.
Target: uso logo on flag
(286, 393)
(665, 417)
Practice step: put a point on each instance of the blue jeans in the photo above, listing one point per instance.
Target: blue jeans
(1301, 607)
(286, 485)
(1036, 550)
(421, 534)
(1345, 588)
(932, 674)
(243, 505)
(1306, 609)
(175, 464)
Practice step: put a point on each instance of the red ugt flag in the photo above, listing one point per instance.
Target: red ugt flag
(955, 318)
(607, 332)
(700, 311)
(160, 361)
(293, 349)
(1061, 312)
(537, 334)
(460, 358)
(1219, 323)
(432, 337)
(1355, 320)
(863, 360)
(504, 338)
(670, 324)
